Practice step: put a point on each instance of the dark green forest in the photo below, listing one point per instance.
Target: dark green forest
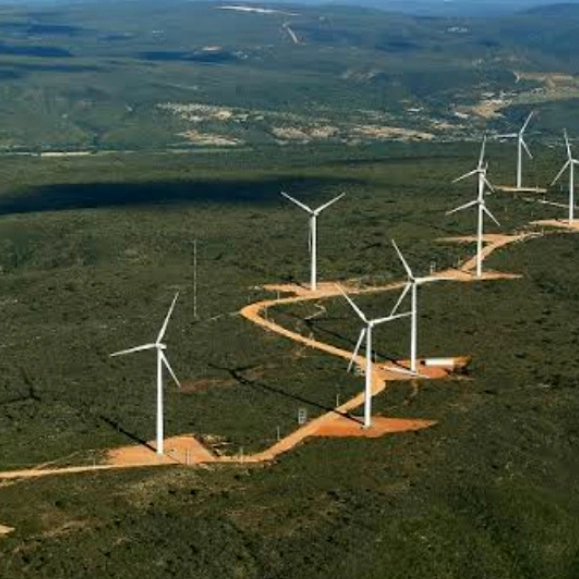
(92, 251)
(189, 121)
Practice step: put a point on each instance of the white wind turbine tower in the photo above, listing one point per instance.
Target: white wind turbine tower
(367, 333)
(412, 286)
(313, 236)
(521, 144)
(480, 203)
(159, 346)
(570, 164)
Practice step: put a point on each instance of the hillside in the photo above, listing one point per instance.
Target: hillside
(135, 75)
(93, 250)
(556, 10)
(144, 148)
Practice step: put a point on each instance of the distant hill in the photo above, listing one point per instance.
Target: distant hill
(560, 10)
(120, 74)
(453, 8)
(441, 8)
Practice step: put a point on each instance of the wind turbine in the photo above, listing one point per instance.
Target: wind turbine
(412, 286)
(367, 333)
(481, 171)
(570, 164)
(159, 346)
(313, 231)
(520, 146)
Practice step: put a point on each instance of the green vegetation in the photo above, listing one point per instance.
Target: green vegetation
(93, 249)
(138, 75)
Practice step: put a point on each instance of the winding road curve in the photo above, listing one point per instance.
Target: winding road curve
(257, 313)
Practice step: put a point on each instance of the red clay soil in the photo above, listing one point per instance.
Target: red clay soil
(390, 372)
(349, 427)
(187, 450)
(491, 242)
(184, 449)
(559, 223)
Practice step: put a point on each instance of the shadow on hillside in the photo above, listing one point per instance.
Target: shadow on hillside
(118, 428)
(61, 197)
(316, 327)
(237, 375)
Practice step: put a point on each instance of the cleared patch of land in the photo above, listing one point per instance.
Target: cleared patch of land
(4, 530)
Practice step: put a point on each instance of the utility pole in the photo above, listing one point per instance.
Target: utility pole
(195, 315)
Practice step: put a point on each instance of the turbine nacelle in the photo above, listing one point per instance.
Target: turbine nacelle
(369, 324)
(520, 134)
(481, 170)
(362, 316)
(412, 285)
(313, 212)
(477, 202)
(312, 237)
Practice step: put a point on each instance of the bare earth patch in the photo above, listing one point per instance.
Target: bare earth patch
(559, 223)
(551, 79)
(210, 139)
(4, 530)
(350, 427)
(198, 112)
(304, 134)
(187, 450)
(556, 86)
(184, 449)
(386, 132)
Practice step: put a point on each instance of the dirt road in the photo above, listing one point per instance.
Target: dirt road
(187, 450)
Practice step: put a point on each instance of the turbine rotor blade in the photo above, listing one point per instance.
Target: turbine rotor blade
(466, 175)
(482, 152)
(403, 294)
(354, 306)
(404, 263)
(132, 350)
(166, 321)
(326, 205)
(560, 173)
(296, 202)
(490, 215)
(526, 122)
(462, 207)
(357, 348)
(488, 184)
(569, 154)
(168, 366)
(311, 235)
(524, 145)
(390, 318)
(508, 136)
